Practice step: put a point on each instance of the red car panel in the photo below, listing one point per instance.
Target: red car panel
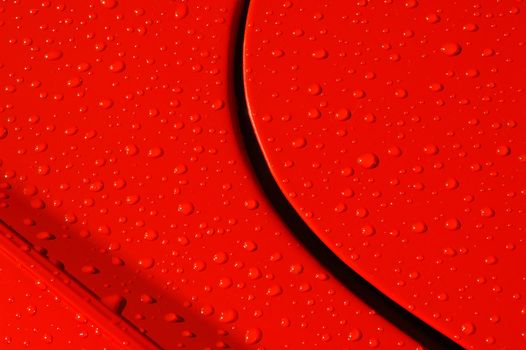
(122, 164)
(396, 130)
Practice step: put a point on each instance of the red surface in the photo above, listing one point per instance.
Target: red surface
(121, 162)
(396, 129)
(33, 317)
(42, 307)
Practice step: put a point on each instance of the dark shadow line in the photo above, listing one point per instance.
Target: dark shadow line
(384, 306)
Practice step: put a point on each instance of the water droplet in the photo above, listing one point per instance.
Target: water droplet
(131, 150)
(151, 235)
(53, 55)
(419, 227)
(155, 152)
(451, 49)
(217, 104)
(181, 11)
(368, 160)
(146, 263)
(487, 212)
(109, 4)
(251, 204)
(274, 290)
(468, 328)
(343, 114)
(320, 54)
(354, 335)
(114, 302)
(89, 269)
(105, 103)
(185, 208)
(503, 151)
(299, 142)
(314, 89)
(228, 316)
(44, 235)
(253, 336)
(117, 66)
(452, 224)
(173, 317)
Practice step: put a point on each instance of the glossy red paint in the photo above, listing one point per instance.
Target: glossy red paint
(44, 307)
(396, 129)
(122, 165)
